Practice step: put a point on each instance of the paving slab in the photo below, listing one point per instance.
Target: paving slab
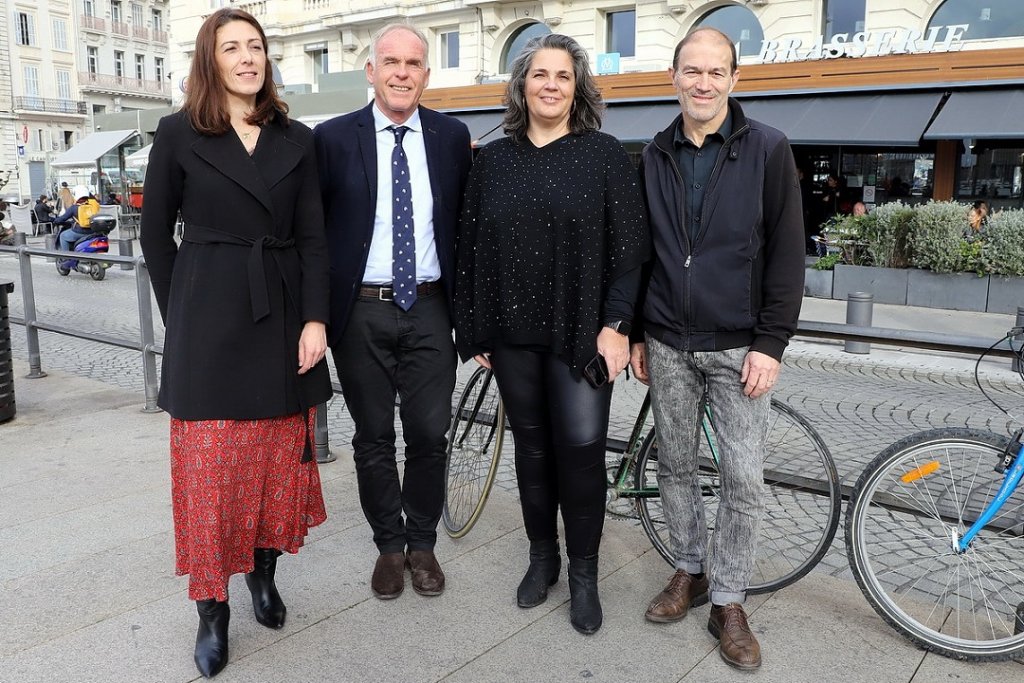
(88, 593)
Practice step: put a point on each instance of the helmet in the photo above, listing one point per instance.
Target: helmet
(80, 192)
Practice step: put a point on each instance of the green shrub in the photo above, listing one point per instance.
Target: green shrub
(828, 262)
(937, 240)
(846, 233)
(886, 235)
(1002, 243)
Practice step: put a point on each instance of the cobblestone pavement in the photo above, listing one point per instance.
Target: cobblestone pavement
(858, 407)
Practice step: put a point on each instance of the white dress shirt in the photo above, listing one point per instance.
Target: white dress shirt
(378, 263)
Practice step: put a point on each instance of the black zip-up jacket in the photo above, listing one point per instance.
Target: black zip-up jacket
(740, 283)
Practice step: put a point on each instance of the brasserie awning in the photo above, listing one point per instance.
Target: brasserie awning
(891, 119)
(92, 147)
(980, 114)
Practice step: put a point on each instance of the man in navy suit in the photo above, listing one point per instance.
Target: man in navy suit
(392, 176)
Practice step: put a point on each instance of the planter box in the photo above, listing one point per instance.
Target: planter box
(818, 283)
(1005, 294)
(956, 291)
(887, 285)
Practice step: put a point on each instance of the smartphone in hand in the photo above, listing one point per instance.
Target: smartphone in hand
(596, 372)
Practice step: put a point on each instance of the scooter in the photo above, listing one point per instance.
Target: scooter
(95, 242)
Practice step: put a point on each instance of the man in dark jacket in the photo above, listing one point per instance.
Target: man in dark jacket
(721, 299)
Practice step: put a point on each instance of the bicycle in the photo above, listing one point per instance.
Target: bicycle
(802, 491)
(935, 538)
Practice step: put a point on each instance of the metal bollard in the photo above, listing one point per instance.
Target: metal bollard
(50, 240)
(124, 248)
(858, 312)
(1015, 365)
(323, 449)
(8, 407)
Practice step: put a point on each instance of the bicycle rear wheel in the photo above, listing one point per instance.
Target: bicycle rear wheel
(474, 449)
(907, 509)
(801, 494)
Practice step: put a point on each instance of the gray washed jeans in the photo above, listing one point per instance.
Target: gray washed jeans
(678, 379)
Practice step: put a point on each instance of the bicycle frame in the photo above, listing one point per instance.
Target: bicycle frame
(618, 485)
(1014, 466)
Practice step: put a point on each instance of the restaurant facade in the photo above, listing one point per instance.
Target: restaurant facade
(912, 100)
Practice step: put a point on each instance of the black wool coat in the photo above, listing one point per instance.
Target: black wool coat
(251, 269)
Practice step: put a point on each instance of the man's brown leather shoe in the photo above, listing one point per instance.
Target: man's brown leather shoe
(388, 580)
(737, 644)
(672, 603)
(427, 577)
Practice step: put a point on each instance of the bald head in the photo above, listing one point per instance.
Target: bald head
(705, 33)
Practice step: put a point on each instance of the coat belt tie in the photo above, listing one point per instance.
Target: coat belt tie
(259, 299)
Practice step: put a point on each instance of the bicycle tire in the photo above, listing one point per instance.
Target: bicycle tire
(900, 524)
(802, 500)
(474, 449)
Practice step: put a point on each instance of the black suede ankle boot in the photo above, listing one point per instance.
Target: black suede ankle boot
(266, 601)
(584, 604)
(212, 639)
(545, 565)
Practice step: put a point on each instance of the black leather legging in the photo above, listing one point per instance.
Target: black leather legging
(560, 425)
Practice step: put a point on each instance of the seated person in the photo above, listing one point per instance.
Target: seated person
(42, 212)
(860, 209)
(80, 215)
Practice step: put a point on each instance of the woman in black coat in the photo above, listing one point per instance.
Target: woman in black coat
(244, 299)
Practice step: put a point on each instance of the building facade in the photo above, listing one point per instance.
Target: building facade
(900, 100)
(61, 63)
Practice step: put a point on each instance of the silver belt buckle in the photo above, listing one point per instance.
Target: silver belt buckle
(386, 294)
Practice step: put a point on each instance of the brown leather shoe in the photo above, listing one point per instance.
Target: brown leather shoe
(427, 577)
(672, 603)
(388, 580)
(737, 644)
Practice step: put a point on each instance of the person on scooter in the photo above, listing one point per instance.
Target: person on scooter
(80, 216)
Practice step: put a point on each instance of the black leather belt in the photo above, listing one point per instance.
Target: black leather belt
(386, 293)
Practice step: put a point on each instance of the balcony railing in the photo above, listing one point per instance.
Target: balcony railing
(94, 23)
(159, 36)
(49, 105)
(123, 84)
(120, 28)
(140, 32)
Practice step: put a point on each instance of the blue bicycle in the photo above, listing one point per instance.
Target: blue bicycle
(935, 538)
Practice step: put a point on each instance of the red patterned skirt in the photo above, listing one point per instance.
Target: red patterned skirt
(237, 485)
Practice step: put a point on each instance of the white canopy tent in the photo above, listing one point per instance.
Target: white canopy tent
(89, 151)
(140, 158)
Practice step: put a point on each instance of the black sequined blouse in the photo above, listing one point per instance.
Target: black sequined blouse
(544, 232)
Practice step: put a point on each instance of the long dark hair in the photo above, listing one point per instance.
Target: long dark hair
(205, 94)
(587, 105)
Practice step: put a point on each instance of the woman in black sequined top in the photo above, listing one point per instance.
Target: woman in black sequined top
(552, 237)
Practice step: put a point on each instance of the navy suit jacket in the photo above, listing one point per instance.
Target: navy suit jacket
(346, 149)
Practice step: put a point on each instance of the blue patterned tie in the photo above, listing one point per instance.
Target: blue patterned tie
(403, 250)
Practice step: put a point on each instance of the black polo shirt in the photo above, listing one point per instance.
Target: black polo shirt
(696, 165)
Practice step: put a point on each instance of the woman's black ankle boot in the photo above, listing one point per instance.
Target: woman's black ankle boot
(584, 604)
(545, 565)
(266, 601)
(212, 639)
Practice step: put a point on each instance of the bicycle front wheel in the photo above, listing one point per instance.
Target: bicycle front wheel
(802, 499)
(910, 507)
(474, 449)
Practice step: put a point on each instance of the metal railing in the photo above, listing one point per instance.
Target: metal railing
(145, 343)
(50, 105)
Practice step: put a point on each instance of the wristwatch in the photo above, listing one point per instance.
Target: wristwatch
(623, 327)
